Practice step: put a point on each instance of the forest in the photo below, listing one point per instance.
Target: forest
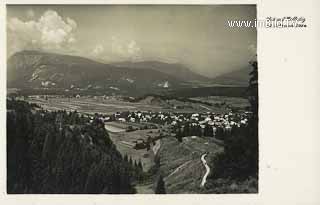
(61, 152)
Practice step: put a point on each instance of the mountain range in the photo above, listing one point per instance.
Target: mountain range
(36, 69)
(175, 69)
(236, 78)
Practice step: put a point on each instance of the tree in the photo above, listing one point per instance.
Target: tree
(79, 158)
(220, 133)
(125, 158)
(148, 146)
(240, 157)
(208, 131)
(179, 135)
(160, 188)
(253, 121)
(140, 165)
(253, 88)
(186, 130)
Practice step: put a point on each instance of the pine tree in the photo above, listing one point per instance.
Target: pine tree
(240, 157)
(186, 130)
(125, 158)
(208, 132)
(160, 188)
(179, 135)
(44, 159)
(140, 165)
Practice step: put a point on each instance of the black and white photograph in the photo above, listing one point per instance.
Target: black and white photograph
(131, 99)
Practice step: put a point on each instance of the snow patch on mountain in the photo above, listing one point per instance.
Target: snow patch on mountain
(164, 84)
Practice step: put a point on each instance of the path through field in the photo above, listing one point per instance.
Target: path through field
(179, 168)
(204, 179)
(156, 147)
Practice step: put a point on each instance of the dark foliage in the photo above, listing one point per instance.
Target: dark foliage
(208, 131)
(208, 91)
(189, 130)
(239, 161)
(160, 187)
(60, 152)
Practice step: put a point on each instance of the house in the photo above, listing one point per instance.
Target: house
(121, 119)
(140, 144)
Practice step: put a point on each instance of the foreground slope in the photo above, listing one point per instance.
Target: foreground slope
(62, 153)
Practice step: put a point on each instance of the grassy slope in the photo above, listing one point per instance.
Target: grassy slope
(186, 156)
(122, 140)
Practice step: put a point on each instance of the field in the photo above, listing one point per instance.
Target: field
(181, 165)
(125, 142)
(91, 105)
(235, 102)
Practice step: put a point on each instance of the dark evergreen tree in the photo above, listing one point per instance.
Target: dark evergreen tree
(186, 130)
(240, 157)
(125, 158)
(160, 187)
(208, 131)
(140, 165)
(56, 152)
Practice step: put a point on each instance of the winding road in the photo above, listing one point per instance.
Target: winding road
(204, 179)
(156, 147)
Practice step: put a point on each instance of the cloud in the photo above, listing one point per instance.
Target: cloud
(252, 49)
(116, 46)
(30, 14)
(134, 50)
(125, 49)
(71, 40)
(72, 23)
(98, 49)
(49, 32)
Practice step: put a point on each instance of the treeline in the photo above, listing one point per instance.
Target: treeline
(165, 98)
(60, 152)
(240, 157)
(208, 91)
(195, 130)
(236, 169)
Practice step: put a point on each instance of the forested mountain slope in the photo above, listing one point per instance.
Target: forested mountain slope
(60, 152)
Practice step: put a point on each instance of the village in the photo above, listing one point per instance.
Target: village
(128, 117)
(179, 124)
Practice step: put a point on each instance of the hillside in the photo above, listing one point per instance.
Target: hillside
(238, 77)
(60, 152)
(174, 69)
(34, 69)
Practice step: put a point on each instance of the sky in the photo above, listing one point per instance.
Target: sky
(196, 36)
